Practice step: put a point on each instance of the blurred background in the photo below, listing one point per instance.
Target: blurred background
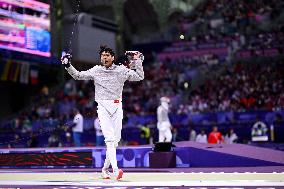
(220, 62)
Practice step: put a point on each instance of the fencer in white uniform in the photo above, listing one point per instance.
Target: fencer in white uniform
(164, 124)
(109, 80)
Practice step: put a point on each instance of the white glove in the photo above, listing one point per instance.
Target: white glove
(66, 59)
(134, 56)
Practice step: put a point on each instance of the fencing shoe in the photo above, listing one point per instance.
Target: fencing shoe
(105, 173)
(118, 174)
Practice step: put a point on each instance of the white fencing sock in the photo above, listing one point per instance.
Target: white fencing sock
(111, 154)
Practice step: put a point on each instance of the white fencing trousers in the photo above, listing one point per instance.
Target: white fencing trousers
(110, 115)
(165, 134)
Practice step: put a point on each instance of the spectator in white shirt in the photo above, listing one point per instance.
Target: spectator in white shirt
(192, 134)
(77, 127)
(201, 137)
(231, 137)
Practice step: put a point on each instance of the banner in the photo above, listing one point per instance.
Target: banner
(24, 77)
(12, 71)
(5, 72)
(17, 73)
(34, 76)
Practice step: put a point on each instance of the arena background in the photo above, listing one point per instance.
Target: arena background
(220, 62)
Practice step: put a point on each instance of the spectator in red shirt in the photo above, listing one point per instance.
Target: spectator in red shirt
(215, 137)
(248, 102)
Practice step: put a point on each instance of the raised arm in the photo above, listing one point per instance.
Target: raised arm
(77, 75)
(137, 73)
(80, 75)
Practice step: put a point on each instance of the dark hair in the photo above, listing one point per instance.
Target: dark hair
(104, 48)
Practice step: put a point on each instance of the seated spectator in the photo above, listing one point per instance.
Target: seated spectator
(215, 137)
(201, 137)
(231, 137)
(33, 142)
(54, 139)
(192, 134)
(175, 133)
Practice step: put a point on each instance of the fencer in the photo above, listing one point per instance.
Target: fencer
(109, 80)
(164, 124)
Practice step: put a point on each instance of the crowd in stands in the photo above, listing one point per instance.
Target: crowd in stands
(231, 16)
(241, 88)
